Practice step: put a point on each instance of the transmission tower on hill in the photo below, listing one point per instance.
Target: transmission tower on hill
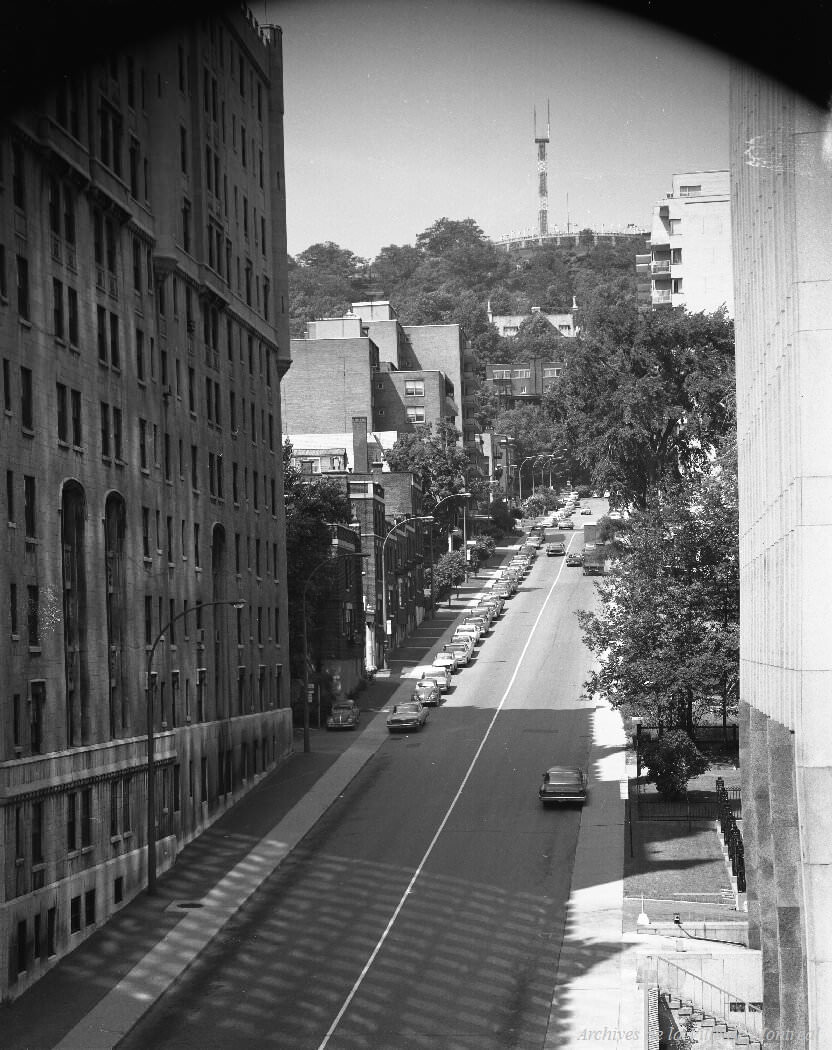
(542, 175)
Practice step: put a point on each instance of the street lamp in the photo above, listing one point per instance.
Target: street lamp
(237, 603)
(451, 495)
(398, 525)
(326, 561)
(507, 442)
(520, 473)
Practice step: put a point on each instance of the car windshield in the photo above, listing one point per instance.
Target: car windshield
(342, 709)
(405, 709)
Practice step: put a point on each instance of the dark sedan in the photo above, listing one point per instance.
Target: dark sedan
(407, 716)
(427, 692)
(574, 558)
(563, 784)
(344, 715)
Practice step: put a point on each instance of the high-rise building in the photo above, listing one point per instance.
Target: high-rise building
(690, 260)
(782, 209)
(144, 335)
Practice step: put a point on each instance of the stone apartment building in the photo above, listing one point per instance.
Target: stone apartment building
(143, 339)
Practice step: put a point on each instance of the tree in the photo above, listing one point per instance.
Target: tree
(666, 631)
(648, 412)
(449, 572)
(441, 465)
(672, 760)
(310, 507)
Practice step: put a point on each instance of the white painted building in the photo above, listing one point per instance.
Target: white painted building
(690, 237)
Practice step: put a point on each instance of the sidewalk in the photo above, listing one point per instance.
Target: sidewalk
(96, 994)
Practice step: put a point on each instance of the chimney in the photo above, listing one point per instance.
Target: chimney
(360, 462)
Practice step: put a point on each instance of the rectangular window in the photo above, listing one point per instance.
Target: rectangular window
(143, 444)
(29, 506)
(115, 353)
(105, 430)
(37, 832)
(148, 620)
(415, 415)
(414, 388)
(72, 315)
(57, 308)
(146, 532)
(690, 191)
(26, 409)
(117, 434)
(23, 287)
(196, 545)
(77, 436)
(13, 609)
(89, 908)
(75, 915)
(140, 355)
(33, 615)
(101, 318)
(63, 418)
(71, 821)
(10, 516)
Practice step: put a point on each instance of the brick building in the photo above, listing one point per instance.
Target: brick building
(523, 382)
(142, 235)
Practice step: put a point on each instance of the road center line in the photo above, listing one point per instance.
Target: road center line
(445, 819)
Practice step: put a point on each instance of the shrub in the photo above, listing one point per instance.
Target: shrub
(672, 760)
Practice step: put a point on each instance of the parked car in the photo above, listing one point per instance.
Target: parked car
(467, 630)
(574, 558)
(494, 602)
(586, 510)
(563, 784)
(344, 715)
(463, 650)
(566, 523)
(408, 715)
(553, 549)
(446, 660)
(427, 692)
(441, 676)
(482, 621)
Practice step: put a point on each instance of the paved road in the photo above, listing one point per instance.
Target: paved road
(425, 909)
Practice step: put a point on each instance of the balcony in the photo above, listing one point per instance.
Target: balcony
(662, 266)
(661, 298)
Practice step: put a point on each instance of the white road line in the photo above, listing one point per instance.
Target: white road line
(441, 828)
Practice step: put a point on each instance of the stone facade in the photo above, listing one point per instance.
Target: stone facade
(781, 215)
(143, 333)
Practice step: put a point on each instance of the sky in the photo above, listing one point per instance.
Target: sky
(399, 113)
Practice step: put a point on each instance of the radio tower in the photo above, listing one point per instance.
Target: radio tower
(542, 176)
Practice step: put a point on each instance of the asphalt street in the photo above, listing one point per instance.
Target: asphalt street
(425, 909)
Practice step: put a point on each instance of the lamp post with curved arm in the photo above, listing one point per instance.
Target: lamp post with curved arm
(237, 603)
(520, 474)
(330, 558)
(398, 525)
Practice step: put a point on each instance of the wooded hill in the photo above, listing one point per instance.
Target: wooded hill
(452, 271)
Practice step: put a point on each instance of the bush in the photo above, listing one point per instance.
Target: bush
(672, 760)
(484, 546)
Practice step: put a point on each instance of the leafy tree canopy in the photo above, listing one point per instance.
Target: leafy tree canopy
(666, 631)
(311, 505)
(442, 467)
(649, 411)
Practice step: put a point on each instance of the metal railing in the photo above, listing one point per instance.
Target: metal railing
(731, 834)
(713, 1001)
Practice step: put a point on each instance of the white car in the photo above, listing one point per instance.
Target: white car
(446, 660)
(440, 675)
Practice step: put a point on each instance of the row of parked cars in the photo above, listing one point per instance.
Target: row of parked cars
(455, 654)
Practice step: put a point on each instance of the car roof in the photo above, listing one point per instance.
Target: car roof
(565, 773)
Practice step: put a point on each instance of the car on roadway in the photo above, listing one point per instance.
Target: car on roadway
(553, 549)
(344, 715)
(427, 692)
(574, 558)
(446, 660)
(409, 714)
(441, 676)
(566, 523)
(467, 630)
(463, 649)
(505, 589)
(586, 510)
(563, 784)
(494, 602)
